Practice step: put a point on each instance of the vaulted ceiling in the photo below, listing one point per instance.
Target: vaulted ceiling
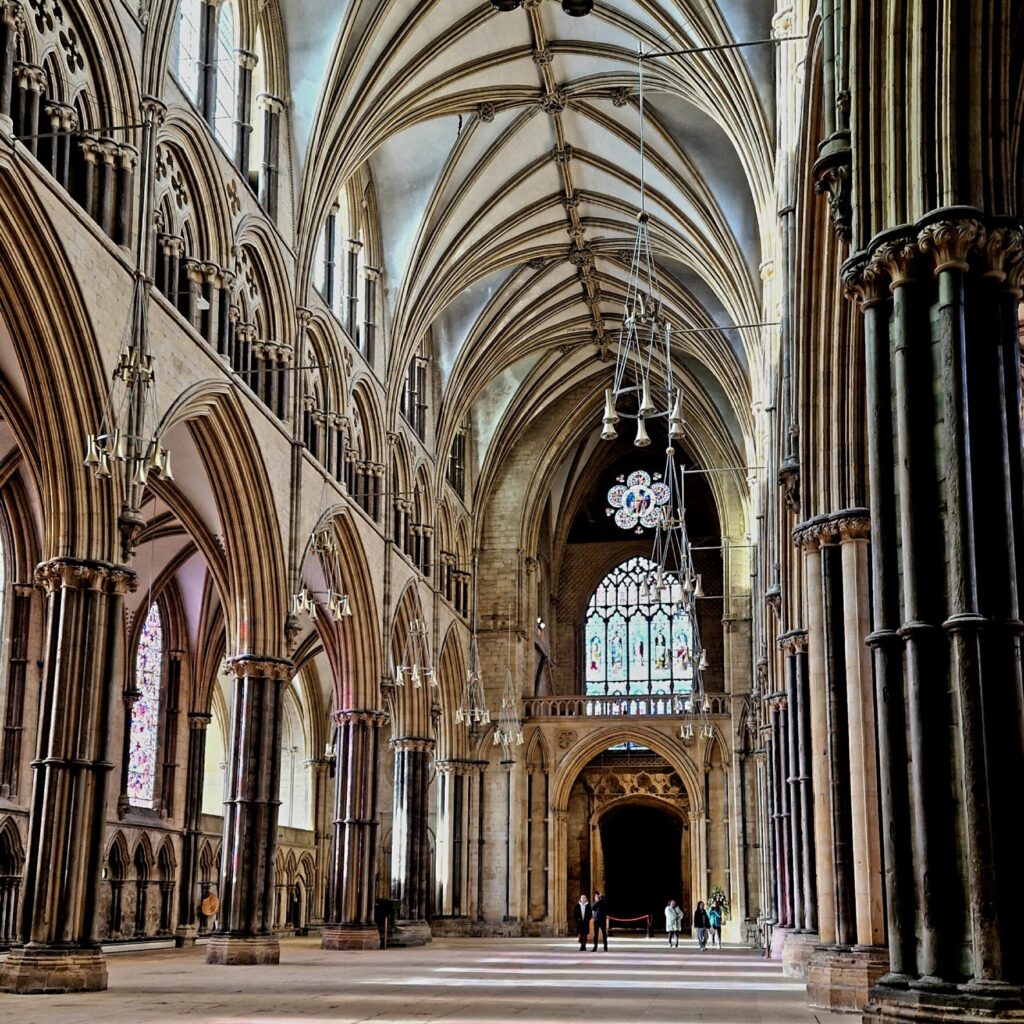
(504, 150)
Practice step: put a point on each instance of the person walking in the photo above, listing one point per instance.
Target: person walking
(581, 915)
(715, 915)
(702, 923)
(599, 914)
(673, 923)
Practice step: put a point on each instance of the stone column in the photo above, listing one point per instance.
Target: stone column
(557, 877)
(818, 719)
(246, 63)
(206, 99)
(353, 867)
(452, 834)
(272, 110)
(10, 20)
(188, 902)
(948, 556)
(58, 952)
(245, 921)
(410, 855)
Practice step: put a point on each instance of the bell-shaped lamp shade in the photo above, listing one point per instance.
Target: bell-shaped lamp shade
(609, 433)
(610, 415)
(165, 465)
(642, 438)
(646, 405)
(92, 451)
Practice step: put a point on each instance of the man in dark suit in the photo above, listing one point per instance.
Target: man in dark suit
(581, 914)
(599, 914)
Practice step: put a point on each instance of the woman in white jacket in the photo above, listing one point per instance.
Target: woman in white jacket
(673, 922)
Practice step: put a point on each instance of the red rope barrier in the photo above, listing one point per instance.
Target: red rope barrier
(628, 920)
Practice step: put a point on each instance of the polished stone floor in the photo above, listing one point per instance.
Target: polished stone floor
(470, 981)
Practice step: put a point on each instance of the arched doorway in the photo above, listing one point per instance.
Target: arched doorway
(642, 847)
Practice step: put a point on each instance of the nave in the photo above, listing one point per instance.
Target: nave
(483, 981)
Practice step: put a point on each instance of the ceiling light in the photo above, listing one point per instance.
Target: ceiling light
(576, 8)
(506, 5)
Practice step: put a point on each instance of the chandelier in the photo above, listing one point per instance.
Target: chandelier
(509, 729)
(643, 386)
(472, 710)
(334, 597)
(126, 448)
(415, 666)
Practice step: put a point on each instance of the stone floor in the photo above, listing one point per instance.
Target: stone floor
(464, 980)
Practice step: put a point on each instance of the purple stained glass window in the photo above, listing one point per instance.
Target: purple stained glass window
(634, 644)
(149, 661)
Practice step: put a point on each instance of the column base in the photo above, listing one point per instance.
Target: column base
(899, 1003)
(185, 936)
(796, 952)
(30, 970)
(349, 936)
(410, 933)
(248, 950)
(840, 978)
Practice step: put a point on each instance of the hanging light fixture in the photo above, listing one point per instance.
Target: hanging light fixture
(472, 710)
(415, 667)
(334, 598)
(577, 8)
(509, 730)
(643, 386)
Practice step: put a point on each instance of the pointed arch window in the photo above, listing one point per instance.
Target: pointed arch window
(226, 104)
(190, 22)
(632, 646)
(145, 727)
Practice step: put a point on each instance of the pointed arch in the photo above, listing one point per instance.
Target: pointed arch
(411, 714)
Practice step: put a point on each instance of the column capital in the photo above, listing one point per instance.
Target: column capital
(360, 716)
(246, 59)
(950, 241)
(270, 104)
(199, 720)
(11, 13)
(415, 744)
(851, 524)
(81, 574)
(154, 108)
(248, 665)
(793, 642)
(454, 766)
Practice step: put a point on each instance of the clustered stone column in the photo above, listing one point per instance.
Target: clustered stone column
(246, 919)
(188, 905)
(10, 21)
(453, 832)
(851, 955)
(940, 306)
(792, 766)
(410, 853)
(353, 870)
(57, 950)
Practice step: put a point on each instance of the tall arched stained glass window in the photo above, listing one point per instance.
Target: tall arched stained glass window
(633, 646)
(142, 747)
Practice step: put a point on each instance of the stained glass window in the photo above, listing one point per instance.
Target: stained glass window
(637, 501)
(636, 646)
(149, 660)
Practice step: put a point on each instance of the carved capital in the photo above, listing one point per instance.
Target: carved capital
(154, 109)
(793, 642)
(413, 744)
(454, 766)
(1003, 253)
(832, 180)
(866, 282)
(248, 666)
(369, 717)
(80, 574)
(11, 14)
(898, 261)
(789, 481)
(851, 524)
(950, 242)
(199, 720)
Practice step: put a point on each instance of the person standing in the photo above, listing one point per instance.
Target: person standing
(582, 914)
(716, 915)
(714, 923)
(702, 923)
(599, 913)
(673, 923)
